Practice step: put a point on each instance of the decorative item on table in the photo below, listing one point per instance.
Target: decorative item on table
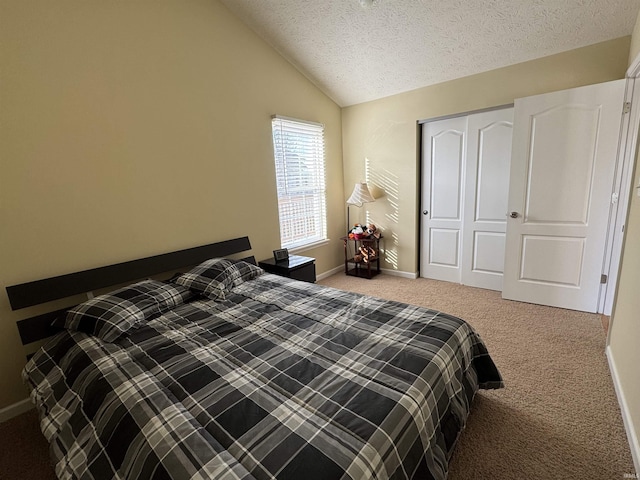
(359, 197)
(280, 254)
(367, 253)
(357, 232)
(372, 231)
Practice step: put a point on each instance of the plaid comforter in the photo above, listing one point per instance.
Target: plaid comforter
(282, 379)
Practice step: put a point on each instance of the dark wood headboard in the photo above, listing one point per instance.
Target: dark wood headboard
(63, 286)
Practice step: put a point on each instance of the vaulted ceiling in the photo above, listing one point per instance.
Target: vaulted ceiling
(362, 50)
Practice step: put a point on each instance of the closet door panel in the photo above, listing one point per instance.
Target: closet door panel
(447, 162)
(488, 158)
(443, 164)
(491, 155)
(565, 151)
(465, 188)
(488, 253)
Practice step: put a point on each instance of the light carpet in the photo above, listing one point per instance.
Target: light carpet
(558, 416)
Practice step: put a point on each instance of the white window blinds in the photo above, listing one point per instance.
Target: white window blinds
(299, 154)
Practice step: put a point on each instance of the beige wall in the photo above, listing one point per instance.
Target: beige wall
(135, 128)
(634, 48)
(624, 338)
(380, 137)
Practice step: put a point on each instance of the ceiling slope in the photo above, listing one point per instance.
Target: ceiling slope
(357, 54)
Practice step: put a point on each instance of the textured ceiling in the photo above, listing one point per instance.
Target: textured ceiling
(356, 54)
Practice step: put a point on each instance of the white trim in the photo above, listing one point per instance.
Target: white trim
(399, 273)
(7, 413)
(308, 246)
(328, 273)
(395, 273)
(634, 443)
(622, 186)
(464, 114)
(291, 119)
(630, 144)
(634, 68)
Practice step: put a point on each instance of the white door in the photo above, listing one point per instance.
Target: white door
(562, 177)
(443, 154)
(486, 194)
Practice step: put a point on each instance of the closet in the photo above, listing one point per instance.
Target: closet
(538, 221)
(465, 188)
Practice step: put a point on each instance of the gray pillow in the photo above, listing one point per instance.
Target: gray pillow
(111, 315)
(215, 277)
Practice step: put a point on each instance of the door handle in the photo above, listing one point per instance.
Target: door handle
(514, 214)
(425, 212)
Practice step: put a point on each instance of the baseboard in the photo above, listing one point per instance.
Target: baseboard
(328, 273)
(7, 413)
(386, 271)
(632, 435)
(398, 273)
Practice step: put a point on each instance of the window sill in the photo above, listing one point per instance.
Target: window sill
(308, 246)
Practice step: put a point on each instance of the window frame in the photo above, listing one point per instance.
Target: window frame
(300, 168)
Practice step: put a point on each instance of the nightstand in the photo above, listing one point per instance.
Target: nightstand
(362, 267)
(296, 267)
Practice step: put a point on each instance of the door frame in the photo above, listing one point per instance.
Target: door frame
(624, 169)
(628, 150)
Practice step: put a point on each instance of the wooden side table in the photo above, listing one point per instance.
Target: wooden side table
(361, 268)
(296, 267)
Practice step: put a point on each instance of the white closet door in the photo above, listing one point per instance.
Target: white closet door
(563, 164)
(486, 193)
(443, 158)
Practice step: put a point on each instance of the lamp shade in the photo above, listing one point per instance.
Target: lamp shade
(360, 195)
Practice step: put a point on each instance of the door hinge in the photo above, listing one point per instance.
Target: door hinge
(627, 107)
(603, 278)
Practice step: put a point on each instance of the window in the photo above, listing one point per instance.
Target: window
(299, 154)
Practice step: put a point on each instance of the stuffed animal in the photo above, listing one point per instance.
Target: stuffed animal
(357, 232)
(368, 254)
(372, 231)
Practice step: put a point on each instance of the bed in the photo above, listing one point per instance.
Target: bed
(229, 372)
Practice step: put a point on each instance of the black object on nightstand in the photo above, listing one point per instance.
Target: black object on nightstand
(296, 267)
